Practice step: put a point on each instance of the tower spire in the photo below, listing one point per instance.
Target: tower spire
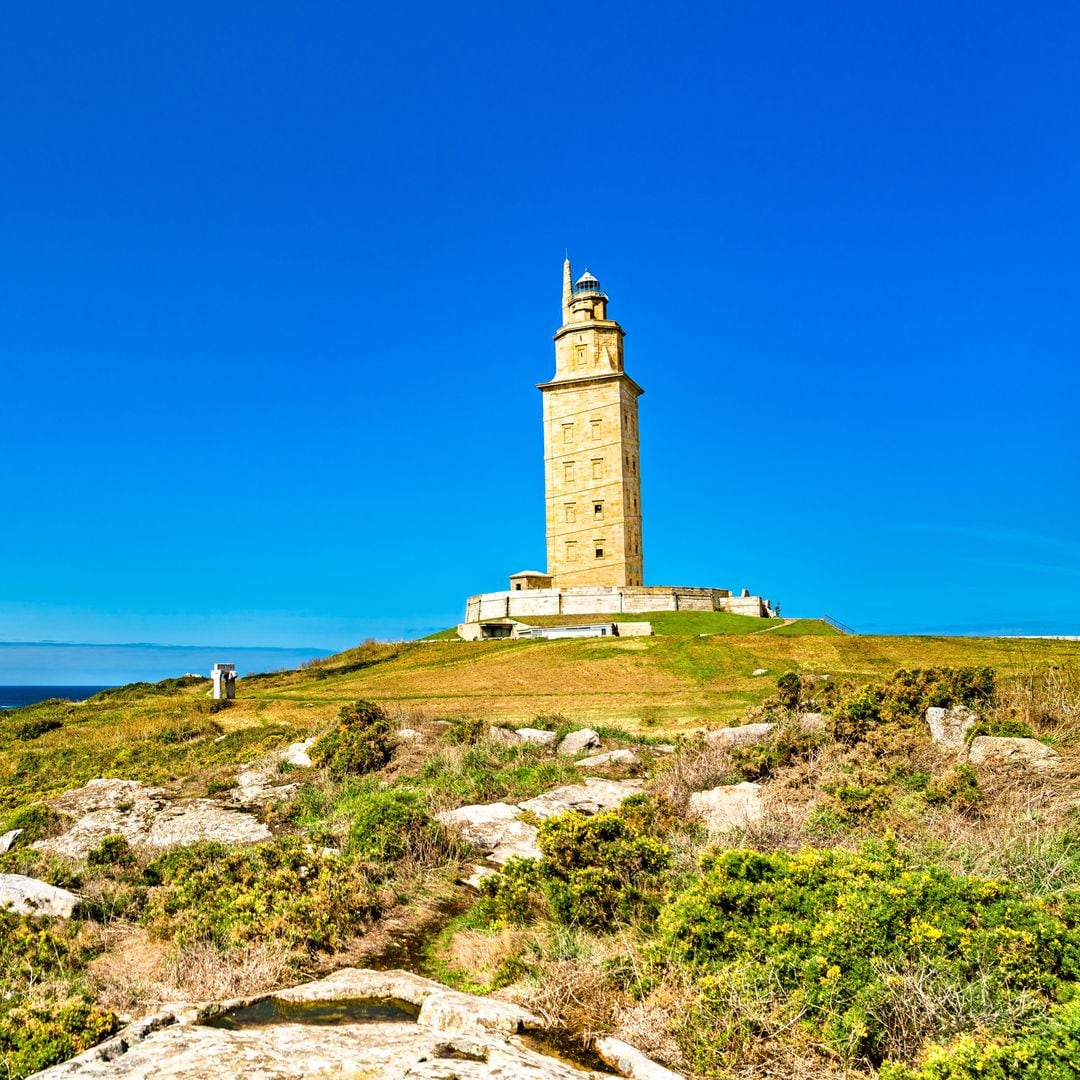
(567, 289)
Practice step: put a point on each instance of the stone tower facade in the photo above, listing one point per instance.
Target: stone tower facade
(591, 476)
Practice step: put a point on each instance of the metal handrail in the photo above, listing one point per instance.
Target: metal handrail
(836, 624)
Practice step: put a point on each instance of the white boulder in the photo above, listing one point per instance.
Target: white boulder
(730, 806)
(612, 757)
(576, 741)
(28, 896)
(538, 736)
(949, 727)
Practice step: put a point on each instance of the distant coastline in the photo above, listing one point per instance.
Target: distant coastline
(16, 697)
(75, 664)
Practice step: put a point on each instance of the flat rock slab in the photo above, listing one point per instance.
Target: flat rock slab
(456, 1036)
(8, 839)
(728, 807)
(589, 797)
(538, 736)
(996, 750)
(28, 896)
(144, 817)
(747, 735)
(612, 757)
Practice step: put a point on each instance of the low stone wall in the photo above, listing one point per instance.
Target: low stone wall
(609, 600)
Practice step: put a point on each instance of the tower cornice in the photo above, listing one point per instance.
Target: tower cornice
(588, 324)
(591, 380)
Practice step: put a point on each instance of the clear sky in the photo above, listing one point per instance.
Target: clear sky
(277, 282)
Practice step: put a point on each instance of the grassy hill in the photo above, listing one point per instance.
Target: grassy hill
(889, 900)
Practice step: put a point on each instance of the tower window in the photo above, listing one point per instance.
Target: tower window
(571, 550)
(594, 430)
(568, 470)
(598, 468)
(568, 433)
(598, 509)
(599, 549)
(571, 514)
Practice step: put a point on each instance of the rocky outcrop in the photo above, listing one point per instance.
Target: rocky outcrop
(747, 735)
(497, 830)
(7, 841)
(454, 1036)
(728, 807)
(296, 754)
(28, 896)
(1028, 753)
(589, 797)
(612, 757)
(145, 818)
(630, 1061)
(949, 727)
(576, 741)
(538, 736)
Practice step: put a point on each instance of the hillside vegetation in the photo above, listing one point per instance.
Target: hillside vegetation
(895, 912)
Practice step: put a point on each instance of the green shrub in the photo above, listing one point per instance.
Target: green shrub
(1046, 1048)
(33, 1038)
(906, 695)
(1004, 728)
(789, 689)
(37, 822)
(268, 892)
(111, 851)
(388, 825)
(514, 896)
(785, 745)
(34, 729)
(825, 927)
(596, 870)
(957, 786)
(362, 741)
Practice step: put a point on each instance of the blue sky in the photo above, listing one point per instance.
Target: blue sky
(277, 283)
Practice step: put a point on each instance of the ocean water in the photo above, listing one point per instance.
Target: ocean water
(15, 697)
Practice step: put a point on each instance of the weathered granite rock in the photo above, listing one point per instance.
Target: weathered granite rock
(949, 727)
(297, 754)
(995, 750)
(538, 736)
(612, 757)
(8, 839)
(811, 723)
(144, 817)
(454, 1037)
(576, 741)
(504, 735)
(747, 735)
(255, 787)
(728, 807)
(495, 829)
(589, 797)
(409, 734)
(630, 1061)
(498, 831)
(760, 671)
(28, 896)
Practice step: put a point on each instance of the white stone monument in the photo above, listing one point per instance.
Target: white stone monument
(224, 675)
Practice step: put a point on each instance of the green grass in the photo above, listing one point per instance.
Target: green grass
(805, 628)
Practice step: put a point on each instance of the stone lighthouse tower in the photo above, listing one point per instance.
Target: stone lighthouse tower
(591, 476)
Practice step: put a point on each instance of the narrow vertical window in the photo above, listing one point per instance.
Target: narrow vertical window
(571, 513)
(568, 470)
(568, 433)
(594, 430)
(598, 468)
